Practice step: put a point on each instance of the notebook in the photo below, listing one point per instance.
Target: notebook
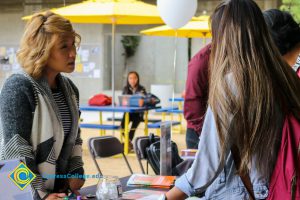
(155, 181)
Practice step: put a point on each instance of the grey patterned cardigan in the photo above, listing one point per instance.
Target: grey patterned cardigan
(31, 128)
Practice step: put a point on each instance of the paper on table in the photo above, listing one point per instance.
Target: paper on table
(142, 194)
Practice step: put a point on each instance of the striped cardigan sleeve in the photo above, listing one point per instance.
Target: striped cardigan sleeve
(17, 105)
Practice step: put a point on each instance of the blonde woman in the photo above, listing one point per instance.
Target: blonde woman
(251, 90)
(39, 108)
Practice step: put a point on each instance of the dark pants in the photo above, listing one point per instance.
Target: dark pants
(135, 118)
(191, 139)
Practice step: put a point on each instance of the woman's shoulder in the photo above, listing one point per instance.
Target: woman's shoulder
(17, 82)
(17, 87)
(141, 86)
(125, 90)
(141, 89)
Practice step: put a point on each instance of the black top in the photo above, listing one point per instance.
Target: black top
(140, 90)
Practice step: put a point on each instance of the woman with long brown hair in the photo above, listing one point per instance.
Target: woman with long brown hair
(251, 90)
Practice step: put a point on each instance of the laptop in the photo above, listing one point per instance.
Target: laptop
(165, 149)
(9, 188)
(124, 100)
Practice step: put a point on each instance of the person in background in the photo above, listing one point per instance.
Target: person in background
(196, 96)
(285, 32)
(252, 89)
(133, 87)
(39, 111)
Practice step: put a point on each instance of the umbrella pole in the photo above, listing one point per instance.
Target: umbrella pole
(174, 74)
(113, 70)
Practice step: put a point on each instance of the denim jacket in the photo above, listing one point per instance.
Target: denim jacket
(214, 179)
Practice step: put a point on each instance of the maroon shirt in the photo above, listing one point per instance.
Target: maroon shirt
(196, 89)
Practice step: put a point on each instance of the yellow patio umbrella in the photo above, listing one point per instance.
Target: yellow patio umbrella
(198, 27)
(129, 12)
(115, 12)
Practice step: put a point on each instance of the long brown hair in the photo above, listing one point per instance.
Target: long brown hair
(249, 83)
(138, 79)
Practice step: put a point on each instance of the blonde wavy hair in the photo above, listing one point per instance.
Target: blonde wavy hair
(40, 34)
(243, 53)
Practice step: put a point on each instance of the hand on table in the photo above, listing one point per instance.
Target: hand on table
(56, 196)
(75, 184)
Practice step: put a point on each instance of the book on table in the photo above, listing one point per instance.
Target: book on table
(155, 181)
(142, 194)
(188, 153)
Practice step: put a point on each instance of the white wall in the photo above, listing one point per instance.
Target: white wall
(11, 29)
(91, 34)
(153, 59)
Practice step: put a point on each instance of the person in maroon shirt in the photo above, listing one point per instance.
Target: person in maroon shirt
(196, 96)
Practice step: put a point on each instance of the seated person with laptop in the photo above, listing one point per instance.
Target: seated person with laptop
(133, 87)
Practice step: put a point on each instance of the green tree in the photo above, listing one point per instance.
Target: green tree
(130, 44)
(292, 6)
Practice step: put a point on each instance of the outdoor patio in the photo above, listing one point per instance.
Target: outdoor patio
(116, 165)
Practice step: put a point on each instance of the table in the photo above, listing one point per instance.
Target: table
(179, 100)
(92, 189)
(121, 109)
(176, 110)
